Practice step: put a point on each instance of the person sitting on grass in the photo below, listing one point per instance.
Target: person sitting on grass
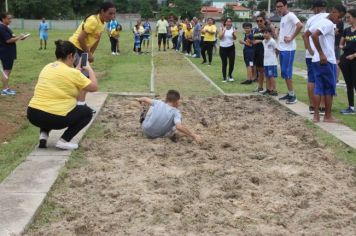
(163, 118)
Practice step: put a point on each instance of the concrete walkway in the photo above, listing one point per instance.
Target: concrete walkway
(23, 192)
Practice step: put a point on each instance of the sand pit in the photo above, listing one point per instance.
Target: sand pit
(260, 172)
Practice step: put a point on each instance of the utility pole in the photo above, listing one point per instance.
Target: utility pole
(269, 9)
(6, 6)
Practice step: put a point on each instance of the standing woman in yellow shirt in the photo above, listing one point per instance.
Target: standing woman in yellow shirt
(209, 31)
(87, 36)
(54, 103)
(174, 30)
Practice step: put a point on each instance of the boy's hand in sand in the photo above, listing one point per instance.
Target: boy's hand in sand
(198, 139)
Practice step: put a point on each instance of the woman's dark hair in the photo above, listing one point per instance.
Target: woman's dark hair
(284, 2)
(64, 48)
(3, 15)
(352, 12)
(103, 7)
(227, 18)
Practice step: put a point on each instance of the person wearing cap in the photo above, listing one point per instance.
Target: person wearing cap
(319, 7)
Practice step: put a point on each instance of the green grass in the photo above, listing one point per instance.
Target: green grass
(124, 73)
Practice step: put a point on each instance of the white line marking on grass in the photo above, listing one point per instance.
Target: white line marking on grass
(205, 76)
(152, 90)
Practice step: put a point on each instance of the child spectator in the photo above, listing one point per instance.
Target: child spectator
(137, 39)
(248, 52)
(180, 37)
(114, 40)
(163, 118)
(146, 34)
(270, 62)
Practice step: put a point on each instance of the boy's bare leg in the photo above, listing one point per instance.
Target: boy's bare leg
(316, 102)
(261, 76)
(328, 105)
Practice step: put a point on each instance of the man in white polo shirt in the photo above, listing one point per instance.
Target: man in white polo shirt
(289, 29)
(161, 32)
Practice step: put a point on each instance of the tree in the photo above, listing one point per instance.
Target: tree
(229, 12)
(263, 5)
(146, 9)
(183, 8)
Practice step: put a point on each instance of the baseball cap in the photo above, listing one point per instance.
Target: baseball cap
(319, 3)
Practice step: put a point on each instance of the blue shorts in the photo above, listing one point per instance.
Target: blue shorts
(311, 74)
(325, 79)
(271, 72)
(137, 45)
(43, 36)
(248, 57)
(286, 59)
(146, 37)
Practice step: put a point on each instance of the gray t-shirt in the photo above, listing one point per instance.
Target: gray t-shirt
(160, 119)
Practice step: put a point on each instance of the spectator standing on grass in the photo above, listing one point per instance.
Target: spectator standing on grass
(87, 36)
(197, 38)
(54, 103)
(139, 31)
(180, 37)
(209, 31)
(259, 50)
(43, 32)
(348, 60)
(290, 27)
(319, 7)
(324, 61)
(270, 62)
(227, 36)
(248, 52)
(147, 34)
(114, 40)
(7, 52)
(163, 118)
(188, 39)
(112, 25)
(161, 32)
(175, 33)
(338, 33)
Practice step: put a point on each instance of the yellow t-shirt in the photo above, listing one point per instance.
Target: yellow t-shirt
(93, 27)
(115, 33)
(174, 30)
(184, 26)
(57, 89)
(188, 34)
(209, 36)
(140, 30)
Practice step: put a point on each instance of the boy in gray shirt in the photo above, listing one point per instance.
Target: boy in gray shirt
(163, 118)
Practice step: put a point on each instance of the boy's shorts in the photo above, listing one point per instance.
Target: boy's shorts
(146, 37)
(286, 60)
(248, 57)
(137, 45)
(325, 79)
(43, 36)
(311, 74)
(259, 57)
(271, 72)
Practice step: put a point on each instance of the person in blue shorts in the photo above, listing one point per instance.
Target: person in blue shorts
(270, 62)
(43, 31)
(248, 52)
(324, 61)
(290, 27)
(147, 34)
(137, 39)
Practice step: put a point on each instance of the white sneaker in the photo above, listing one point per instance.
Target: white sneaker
(194, 55)
(113, 53)
(66, 145)
(230, 79)
(186, 54)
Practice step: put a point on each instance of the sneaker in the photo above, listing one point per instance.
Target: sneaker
(230, 79)
(273, 93)
(186, 54)
(322, 110)
(285, 97)
(209, 64)
(266, 92)
(247, 82)
(224, 81)
(43, 140)
(113, 53)
(311, 110)
(204, 62)
(8, 92)
(66, 145)
(194, 55)
(292, 100)
(257, 90)
(348, 111)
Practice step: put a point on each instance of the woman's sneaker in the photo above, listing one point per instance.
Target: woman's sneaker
(230, 79)
(66, 145)
(8, 91)
(348, 111)
(257, 90)
(285, 97)
(311, 110)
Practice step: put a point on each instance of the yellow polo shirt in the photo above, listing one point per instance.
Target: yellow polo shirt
(93, 27)
(115, 33)
(210, 37)
(188, 34)
(57, 89)
(174, 30)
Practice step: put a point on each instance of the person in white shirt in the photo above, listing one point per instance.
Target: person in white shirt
(290, 27)
(227, 37)
(270, 62)
(161, 31)
(319, 7)
(324, 61)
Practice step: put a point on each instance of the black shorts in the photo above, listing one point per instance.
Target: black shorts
(258, 57)
(162, 37)
(7, 63)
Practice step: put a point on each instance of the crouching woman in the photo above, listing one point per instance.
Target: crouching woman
(54, 103)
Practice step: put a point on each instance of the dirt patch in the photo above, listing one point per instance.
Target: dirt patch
(260, 172)
(13, 111)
